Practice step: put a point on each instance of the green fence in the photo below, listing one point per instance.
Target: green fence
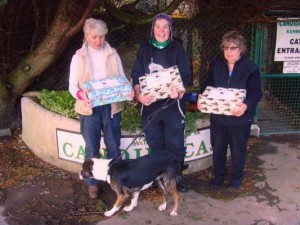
(279, 110)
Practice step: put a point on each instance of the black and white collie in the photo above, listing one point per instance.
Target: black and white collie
(129, 177)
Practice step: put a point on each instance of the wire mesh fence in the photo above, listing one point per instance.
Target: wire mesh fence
(200, 37)
(279, 110)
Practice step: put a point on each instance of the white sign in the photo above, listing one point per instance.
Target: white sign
(71, 146)
(291, 67)
(288, 40)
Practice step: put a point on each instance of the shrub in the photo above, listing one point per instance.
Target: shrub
(61, 102)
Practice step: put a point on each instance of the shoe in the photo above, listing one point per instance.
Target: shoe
(93, 191)
(216, 184)
(235, 184)
(184, 167)
(181, 186)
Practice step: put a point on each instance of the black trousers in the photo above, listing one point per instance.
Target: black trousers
(166, 131)
(236, 137)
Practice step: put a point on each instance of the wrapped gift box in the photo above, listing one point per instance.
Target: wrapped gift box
(109, 90)
(159, 83)
(219, 100)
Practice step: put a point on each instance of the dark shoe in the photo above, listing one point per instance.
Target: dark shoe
(184, 167)
(93, 192)
(216, 184)
(181, 186)
(235, 184)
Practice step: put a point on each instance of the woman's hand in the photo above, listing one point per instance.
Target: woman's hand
(84, 97)
(239, 109)
(145, 99)
(199, 106)
(131, 94)
(175, 93)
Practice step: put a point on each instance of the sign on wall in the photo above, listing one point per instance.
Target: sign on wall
(71, 146)
(288, 40)
(291, 67)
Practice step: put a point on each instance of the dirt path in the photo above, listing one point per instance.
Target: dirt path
(276, 199)
(34, 193)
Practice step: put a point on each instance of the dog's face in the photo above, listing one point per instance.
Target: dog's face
(95, 168)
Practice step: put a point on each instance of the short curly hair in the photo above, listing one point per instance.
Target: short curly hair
(235, 37)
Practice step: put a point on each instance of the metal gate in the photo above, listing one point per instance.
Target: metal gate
(279, 110)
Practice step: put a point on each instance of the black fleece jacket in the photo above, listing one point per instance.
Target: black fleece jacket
(173, 54)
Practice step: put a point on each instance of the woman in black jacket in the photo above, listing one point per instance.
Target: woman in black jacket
(161, 51)
(235, 70)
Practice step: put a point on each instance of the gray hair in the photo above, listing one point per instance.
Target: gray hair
(235, 37)
(98, 26)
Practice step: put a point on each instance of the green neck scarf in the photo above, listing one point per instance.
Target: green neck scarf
(159, 45)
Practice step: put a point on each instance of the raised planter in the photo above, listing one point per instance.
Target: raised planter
(56, 139)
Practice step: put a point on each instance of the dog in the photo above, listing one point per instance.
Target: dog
(131, 176)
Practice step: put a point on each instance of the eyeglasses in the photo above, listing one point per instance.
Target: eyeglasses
(230, 48)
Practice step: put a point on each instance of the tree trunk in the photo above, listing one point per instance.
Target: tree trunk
(68, 21)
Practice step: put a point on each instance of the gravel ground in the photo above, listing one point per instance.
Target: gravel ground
(35, 193)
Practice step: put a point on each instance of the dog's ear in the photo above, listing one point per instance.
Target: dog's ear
(87, 168)
(90, 164)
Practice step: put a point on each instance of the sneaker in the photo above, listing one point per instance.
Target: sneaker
(93, 192)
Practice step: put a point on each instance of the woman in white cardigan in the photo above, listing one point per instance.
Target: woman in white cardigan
(96, 59)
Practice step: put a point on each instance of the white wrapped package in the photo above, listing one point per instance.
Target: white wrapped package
(218, 100)
(159, 83)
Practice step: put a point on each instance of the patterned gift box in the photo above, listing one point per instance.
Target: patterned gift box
(219, 100)
(108, 90)
(159, 83)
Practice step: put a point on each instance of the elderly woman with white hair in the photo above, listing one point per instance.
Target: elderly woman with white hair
(96, 59)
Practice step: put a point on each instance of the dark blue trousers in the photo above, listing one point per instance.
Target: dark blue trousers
(116, 123)
(91, 127)
(236, 137)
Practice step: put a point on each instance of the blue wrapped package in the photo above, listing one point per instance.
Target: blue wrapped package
(108, 90)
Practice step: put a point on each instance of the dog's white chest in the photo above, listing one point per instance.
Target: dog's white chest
(100, 169)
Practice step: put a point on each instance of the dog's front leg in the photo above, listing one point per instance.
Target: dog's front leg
(176, 198)
(163, 205)
(120, 200)
(134, 200)
(111, 212)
